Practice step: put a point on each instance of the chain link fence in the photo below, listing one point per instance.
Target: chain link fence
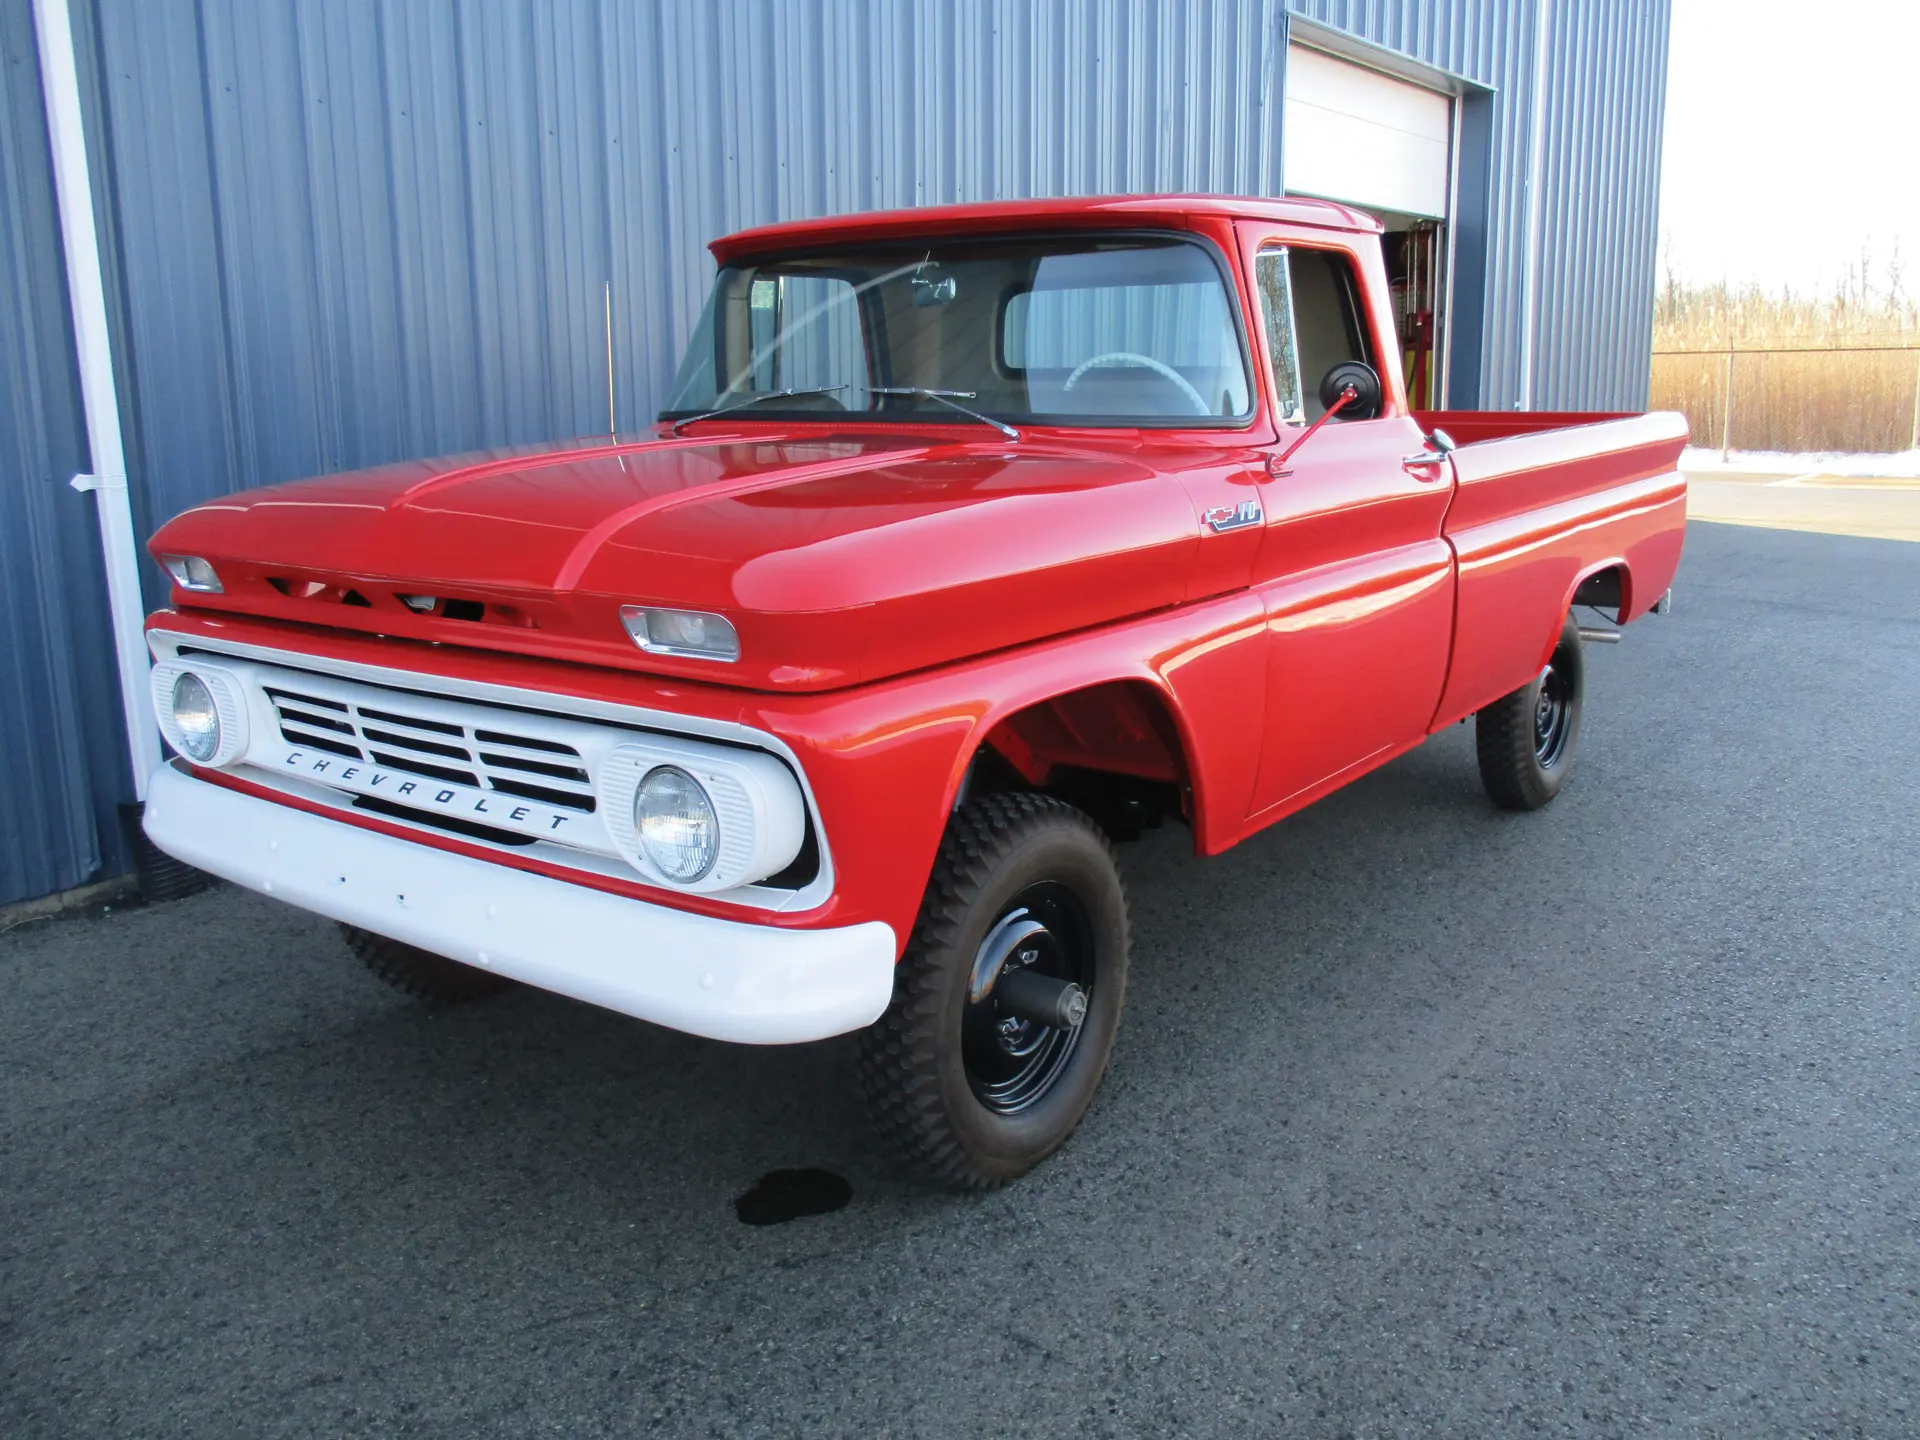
(1838, 398)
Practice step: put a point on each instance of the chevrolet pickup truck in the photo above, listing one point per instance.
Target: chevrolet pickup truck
(969, 541)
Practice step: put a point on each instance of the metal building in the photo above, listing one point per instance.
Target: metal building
(333, 234)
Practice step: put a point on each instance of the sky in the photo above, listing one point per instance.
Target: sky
(1792, 142)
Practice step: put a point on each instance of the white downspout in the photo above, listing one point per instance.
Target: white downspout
(1536, 172)
(60, 81)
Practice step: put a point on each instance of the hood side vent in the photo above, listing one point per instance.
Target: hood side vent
(433, 607)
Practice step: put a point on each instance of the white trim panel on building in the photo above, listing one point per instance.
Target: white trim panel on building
(1357, 135)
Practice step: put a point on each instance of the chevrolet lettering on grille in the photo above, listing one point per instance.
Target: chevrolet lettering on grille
(485, 807)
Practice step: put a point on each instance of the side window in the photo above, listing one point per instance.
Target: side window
(1311, 301)
(797, 329)
(821, 337)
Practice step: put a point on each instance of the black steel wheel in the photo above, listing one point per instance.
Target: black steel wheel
(1553, 713)
(1007, 999)
(1012, 1059)
(1526, 740)
(421, 972)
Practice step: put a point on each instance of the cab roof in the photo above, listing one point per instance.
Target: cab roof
(1091, 210)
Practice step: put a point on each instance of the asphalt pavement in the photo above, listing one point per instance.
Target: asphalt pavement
(1425, 1120)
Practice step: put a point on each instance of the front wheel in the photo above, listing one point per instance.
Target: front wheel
(1007, 1000)
(1527, 740)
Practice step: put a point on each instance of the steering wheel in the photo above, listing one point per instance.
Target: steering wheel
(1112, 359)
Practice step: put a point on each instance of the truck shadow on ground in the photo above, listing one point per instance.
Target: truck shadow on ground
(529, 1108)
(289, 1105)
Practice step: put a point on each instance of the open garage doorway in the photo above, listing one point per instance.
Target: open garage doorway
(1416, 261)
(1386, 144)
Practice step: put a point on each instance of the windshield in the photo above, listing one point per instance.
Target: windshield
(1084, 331)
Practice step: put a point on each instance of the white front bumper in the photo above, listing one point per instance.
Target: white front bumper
(758, 984)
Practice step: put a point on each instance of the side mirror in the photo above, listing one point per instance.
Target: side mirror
(934, 289)
(1441, 443)
(1360, 377)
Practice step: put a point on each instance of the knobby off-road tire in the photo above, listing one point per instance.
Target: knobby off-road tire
(421, 972)
(1527, 740)
(943, 1074)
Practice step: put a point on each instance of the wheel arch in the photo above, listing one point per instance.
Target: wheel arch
(1604, 584)
(1127, 724)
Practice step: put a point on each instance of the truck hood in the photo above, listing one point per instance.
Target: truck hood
(839, 558)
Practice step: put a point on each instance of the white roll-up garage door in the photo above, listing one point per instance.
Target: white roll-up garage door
(1364, 137)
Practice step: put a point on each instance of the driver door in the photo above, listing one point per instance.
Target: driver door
(1355, 579)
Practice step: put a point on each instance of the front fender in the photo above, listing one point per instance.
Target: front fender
(887, 761)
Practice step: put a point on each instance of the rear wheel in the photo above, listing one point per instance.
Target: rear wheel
(1007, 1000)
(421, 972)
(1527, 740)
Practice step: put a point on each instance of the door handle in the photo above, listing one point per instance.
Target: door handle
(1427, 465)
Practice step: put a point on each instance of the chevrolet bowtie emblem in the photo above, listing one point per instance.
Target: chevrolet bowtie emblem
(1232, 517)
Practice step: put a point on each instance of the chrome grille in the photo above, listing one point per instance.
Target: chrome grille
(490, 757)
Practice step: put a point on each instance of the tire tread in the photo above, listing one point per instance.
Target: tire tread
(1503, 744)
(1503, 741)
(894, 1062)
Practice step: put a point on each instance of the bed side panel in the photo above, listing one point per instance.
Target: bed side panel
(1535, 514)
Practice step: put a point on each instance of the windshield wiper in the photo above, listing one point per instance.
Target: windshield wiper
(949, 399)
(764, 395)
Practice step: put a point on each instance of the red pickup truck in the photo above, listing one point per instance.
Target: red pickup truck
(969, 541)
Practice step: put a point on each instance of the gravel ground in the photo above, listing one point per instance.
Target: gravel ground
(1426, 1120)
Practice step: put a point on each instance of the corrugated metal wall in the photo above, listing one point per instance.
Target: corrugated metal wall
(352, 233)
(1607, 91)
(65, 761)
(345, 233)
(1605, 95)
(357, 232)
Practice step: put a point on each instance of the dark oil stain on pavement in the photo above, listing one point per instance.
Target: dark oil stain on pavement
(782, 1195)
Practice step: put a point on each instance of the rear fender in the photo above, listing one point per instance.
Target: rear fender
(1618, 599)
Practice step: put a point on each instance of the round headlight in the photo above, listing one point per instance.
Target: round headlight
(677, 827)
(195, 717)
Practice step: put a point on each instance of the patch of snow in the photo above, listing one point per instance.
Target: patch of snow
(1698, 460)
